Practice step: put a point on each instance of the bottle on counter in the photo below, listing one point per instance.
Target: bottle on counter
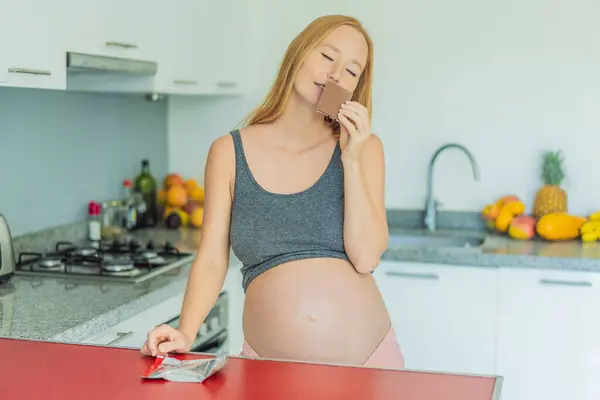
(130, 205)
(145, 185)
(94, 224)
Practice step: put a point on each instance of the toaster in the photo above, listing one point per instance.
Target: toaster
(7, 251)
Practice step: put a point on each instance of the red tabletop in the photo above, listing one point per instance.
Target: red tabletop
(45, 370)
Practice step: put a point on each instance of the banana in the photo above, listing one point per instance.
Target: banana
(591, 226)
(595, 216)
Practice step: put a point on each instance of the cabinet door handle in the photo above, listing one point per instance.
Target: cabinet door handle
(122, 45)
(225, 84)
(565, 283)
(120, 336)
(397, 274)
(29, 71)
(185, 82)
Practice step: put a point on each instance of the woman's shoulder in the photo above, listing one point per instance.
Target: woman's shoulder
(221, 152)
(222, 148)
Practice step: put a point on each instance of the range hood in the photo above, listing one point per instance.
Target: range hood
(89, 63)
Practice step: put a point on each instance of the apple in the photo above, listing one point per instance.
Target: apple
(522, 227)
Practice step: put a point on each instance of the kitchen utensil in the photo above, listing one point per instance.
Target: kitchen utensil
(7, 251)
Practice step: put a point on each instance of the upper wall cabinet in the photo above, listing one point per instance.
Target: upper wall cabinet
(202, 50)
(195, 43)
(219, 46)
(32, 44)
(119, 28)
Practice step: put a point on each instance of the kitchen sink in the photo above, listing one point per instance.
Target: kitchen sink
(434, 240)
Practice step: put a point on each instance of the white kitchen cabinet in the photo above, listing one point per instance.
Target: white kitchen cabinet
(184, 53)
(549, 334)
(222, 45)
(444, 316)
(32, 44)
(133, 331)
(120, 28)
(197, 44)
(202, 49)
(131, 29)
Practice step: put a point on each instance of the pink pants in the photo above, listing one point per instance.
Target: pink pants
(387, 354)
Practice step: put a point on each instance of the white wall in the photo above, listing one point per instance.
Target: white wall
(506, 79)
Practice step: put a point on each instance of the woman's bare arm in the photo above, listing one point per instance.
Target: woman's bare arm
(365, 223)
(209, 268)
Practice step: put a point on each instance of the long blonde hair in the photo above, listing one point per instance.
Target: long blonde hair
(278, 96)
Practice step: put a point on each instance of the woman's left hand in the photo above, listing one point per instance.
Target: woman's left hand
(355, 129)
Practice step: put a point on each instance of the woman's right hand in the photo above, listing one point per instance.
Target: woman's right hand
(164, 339)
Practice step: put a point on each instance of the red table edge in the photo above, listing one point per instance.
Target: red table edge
(498, 379)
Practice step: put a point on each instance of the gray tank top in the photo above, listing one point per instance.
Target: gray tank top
(268, 229)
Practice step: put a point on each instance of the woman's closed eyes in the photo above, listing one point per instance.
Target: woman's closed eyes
(331, 59)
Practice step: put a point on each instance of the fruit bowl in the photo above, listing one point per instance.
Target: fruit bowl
(182, 202)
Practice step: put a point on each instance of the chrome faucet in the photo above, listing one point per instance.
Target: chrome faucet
(432, 204)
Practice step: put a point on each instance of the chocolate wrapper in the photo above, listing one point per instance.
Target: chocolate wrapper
(172, 369)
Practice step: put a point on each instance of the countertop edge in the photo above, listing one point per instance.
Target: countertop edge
(482, 259)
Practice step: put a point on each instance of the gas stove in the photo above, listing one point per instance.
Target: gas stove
(119, 260)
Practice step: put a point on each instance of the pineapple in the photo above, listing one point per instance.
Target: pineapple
(551, 197)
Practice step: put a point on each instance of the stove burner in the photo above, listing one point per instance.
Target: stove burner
(120, 245)
(167, 246)
(123, 259)
(71, 249)
(85, 251)
(123, 265)
(149, 259)
(157, 260)
(51, 263)
(41, 260)
(148, 254)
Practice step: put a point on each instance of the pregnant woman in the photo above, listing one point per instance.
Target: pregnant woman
(299, 197)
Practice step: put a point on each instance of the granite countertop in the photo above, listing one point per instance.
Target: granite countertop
(499, 251)
(65, 311)
(69, 311)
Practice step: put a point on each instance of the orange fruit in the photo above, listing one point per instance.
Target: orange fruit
(177, 196)
(197, 194)
(172, 180)
(190, 184)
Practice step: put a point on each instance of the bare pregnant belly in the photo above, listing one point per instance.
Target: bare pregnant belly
(315, 310)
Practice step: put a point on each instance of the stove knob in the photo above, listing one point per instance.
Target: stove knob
(150, 245)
